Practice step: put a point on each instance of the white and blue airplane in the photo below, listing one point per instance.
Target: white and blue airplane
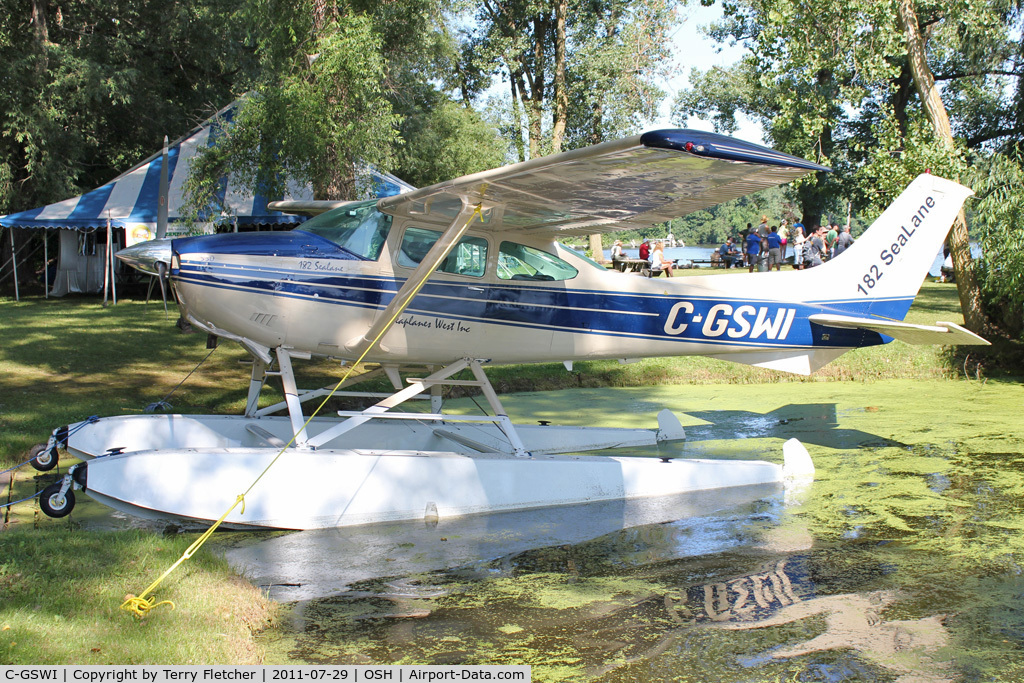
(470, 272)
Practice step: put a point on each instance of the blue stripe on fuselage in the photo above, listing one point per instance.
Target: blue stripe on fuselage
(722, 320)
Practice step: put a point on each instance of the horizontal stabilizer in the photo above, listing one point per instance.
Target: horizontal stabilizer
(310, 207)
(941, 333)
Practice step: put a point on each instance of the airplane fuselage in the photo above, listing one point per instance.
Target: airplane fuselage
(499, 297)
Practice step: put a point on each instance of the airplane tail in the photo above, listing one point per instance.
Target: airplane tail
(878, 277)
(872, 284)
(882, 272)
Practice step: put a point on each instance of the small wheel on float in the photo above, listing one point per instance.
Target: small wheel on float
(53, 504)
(42, 459)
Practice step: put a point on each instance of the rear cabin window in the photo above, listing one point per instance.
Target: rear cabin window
(469, 257)
(359, 228)
(520, 262)
(584, 257)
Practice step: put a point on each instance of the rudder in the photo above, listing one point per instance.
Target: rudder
(886, 266)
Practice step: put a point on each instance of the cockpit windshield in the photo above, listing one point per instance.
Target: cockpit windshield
(359, 228)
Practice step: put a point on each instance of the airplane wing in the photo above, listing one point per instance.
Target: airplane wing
(629, 183)
(634, 182)
(940, 333)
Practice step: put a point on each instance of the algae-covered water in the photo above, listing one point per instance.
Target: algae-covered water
(902, 561)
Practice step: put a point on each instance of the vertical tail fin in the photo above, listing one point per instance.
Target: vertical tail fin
(882, 272)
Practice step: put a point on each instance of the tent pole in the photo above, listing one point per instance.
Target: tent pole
(106, 271)
(14, 265)
(113, 279)
(46, 264)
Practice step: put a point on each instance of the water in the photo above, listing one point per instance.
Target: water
(684, 254)
(902, 559)
(704, 251)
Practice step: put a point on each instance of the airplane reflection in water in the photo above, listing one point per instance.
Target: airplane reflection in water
(304, 565)
(641, 599)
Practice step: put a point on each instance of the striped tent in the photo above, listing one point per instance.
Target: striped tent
(130, 205)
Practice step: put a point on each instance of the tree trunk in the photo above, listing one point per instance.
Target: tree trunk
(341, 185)
(517, 119)
(41, 34)
(561, 93)
(535, 106)
(959, 247)
(596, 248)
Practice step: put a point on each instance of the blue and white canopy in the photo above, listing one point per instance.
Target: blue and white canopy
(131, 200)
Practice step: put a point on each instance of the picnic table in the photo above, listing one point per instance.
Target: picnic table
(629, 265)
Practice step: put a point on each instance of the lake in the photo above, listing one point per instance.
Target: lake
(704, 251)
(902, 561)
(684, 254)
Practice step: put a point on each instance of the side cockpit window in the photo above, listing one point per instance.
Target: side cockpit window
(520, 262)
(469, 257)
(358, 228)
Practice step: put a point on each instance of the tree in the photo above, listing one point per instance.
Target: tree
(316, 110)
(848, 84)
(91, 88)
(999, 226)
(963, 264)
(588, 68)
(621, 53)
(444, 139)
(344, 86)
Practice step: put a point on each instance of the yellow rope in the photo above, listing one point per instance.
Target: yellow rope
(140, 605)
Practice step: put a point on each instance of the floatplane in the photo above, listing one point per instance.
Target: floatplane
(470, 272)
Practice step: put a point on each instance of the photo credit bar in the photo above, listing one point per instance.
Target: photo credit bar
(395, 673)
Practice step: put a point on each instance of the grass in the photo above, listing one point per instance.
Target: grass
(60, 590)
(60, 593)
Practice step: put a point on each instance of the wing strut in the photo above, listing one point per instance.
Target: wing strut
(438, 253)
(418, 386)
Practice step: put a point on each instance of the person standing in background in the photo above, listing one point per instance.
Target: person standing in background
(798, 246)
(774, 249)
(830, 240)
(816, 254)
(844, 241)
(752, 248)
(762, 228)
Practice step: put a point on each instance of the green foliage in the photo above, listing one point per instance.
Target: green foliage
(444, 140)
(620, 51)
(999, 227)
(318, 109)
(840, 83)
(343, 86)
(831, 82)
(92, 88)
(616, 52)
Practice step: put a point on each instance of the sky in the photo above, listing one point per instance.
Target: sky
(693, 49)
